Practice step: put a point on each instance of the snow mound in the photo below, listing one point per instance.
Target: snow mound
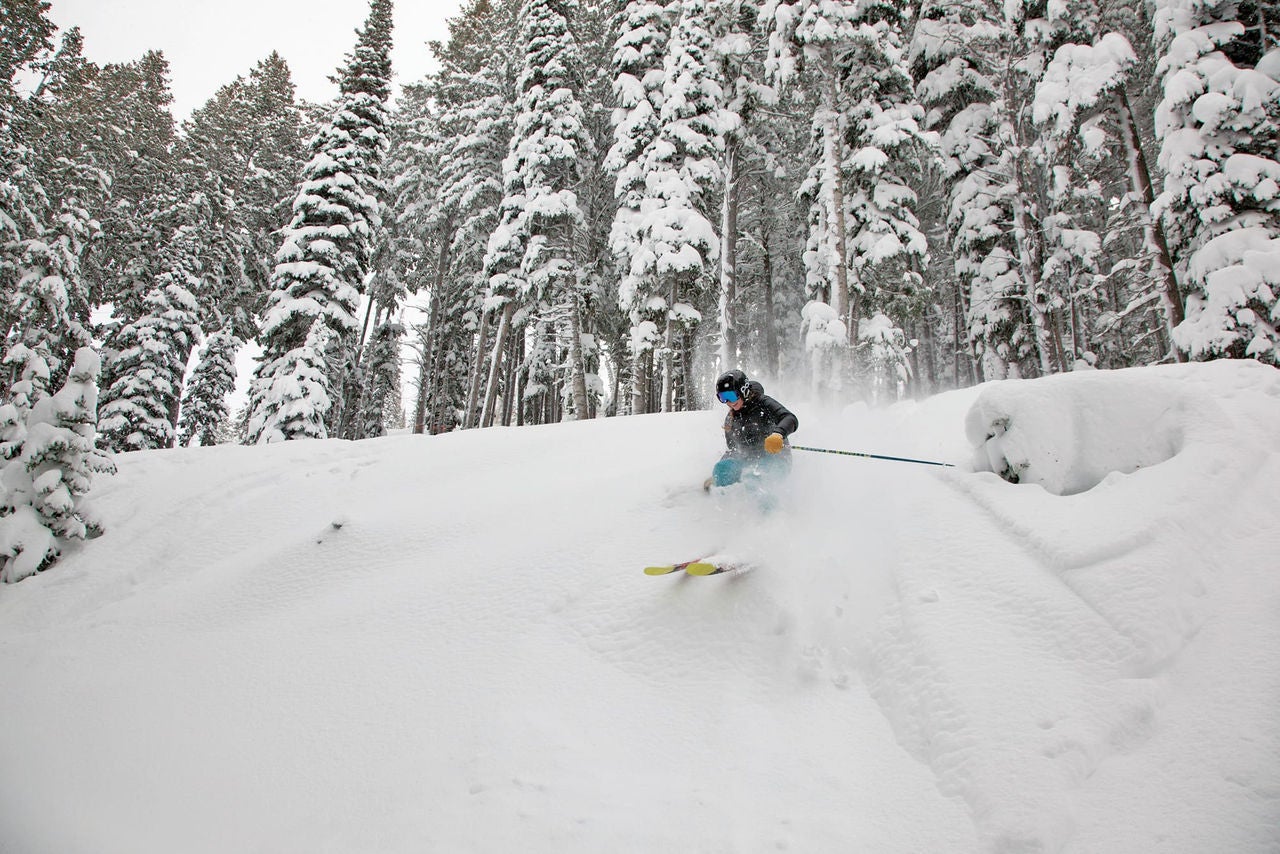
(1068, 432)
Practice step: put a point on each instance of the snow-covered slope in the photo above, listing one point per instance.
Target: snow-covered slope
(446, 643)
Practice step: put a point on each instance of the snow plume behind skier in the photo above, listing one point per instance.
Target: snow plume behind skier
(756, 428)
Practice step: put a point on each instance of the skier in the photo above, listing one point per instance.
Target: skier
(755, 430)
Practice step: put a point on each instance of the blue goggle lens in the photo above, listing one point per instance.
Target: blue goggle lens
(727, 396)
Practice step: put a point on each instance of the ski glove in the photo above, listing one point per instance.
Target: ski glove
(773, 443)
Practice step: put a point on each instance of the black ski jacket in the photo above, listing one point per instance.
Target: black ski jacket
(760, 415)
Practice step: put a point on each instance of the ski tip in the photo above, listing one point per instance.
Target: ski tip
(700, 568)
(659, 570)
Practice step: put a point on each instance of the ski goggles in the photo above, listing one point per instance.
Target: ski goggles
(728, 396)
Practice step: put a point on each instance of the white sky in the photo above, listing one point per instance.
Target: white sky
(208, 44)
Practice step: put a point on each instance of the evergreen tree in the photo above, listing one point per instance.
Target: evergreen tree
(823, 33)
(383, 379)
(864, 241)
(134, 142)
(673, 242)
(51, 306)
(240, 153)
(140, 409)
(1219, 124)
(531, 254)
(45, 484)
(446, 180)
(480, 67)
(51, 183)
(327, 250)
(204, 402)
(26, 32)
(1083, 105)
(677, 229)
(298, 386)
(970, 60)
(639, 76)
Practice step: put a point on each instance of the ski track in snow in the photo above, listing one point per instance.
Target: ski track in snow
(447, 644)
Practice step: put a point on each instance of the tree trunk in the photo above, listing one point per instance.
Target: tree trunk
(1059, 350)
(1152, 229)
(617, 390)
(668, 345)
(429, 345)
(577, 364)
(832, 143)
(1030, 270)
(729, 260)
(477, 372)
(521, 382)
(927, 345)
(637, 384)
(495, 364)
(425, 374)
(511, 376)
(770, 327)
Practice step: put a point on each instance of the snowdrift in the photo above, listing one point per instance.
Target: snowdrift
(1068, 432)
(446, 643)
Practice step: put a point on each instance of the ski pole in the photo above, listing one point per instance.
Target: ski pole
(872, 456)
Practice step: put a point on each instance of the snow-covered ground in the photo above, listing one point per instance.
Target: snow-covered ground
(446, 644)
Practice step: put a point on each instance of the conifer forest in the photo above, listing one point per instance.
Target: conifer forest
(592, 207)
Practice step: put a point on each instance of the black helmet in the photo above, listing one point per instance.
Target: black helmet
(734, 380)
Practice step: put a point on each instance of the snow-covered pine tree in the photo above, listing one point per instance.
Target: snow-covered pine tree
(275, 153)
(814, 36)
(322, 265)
(865, 124)
(204, 402)
(970, 61)
(140, 408)
(382, 378)
(134, 141)
(50, 185)
(639, 75)
(531, 253)
(51, 306)
(886, 246)
(297, 385)
(883, 345)
(241, 152)
(1219, 125)
(412, 182)
(769, 300)
(479, 68)
(44, 485)
(1095, 149)
(675, 243)
(51, 192)
(27, 34)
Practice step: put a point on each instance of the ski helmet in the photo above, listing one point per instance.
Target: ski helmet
(734, 380)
